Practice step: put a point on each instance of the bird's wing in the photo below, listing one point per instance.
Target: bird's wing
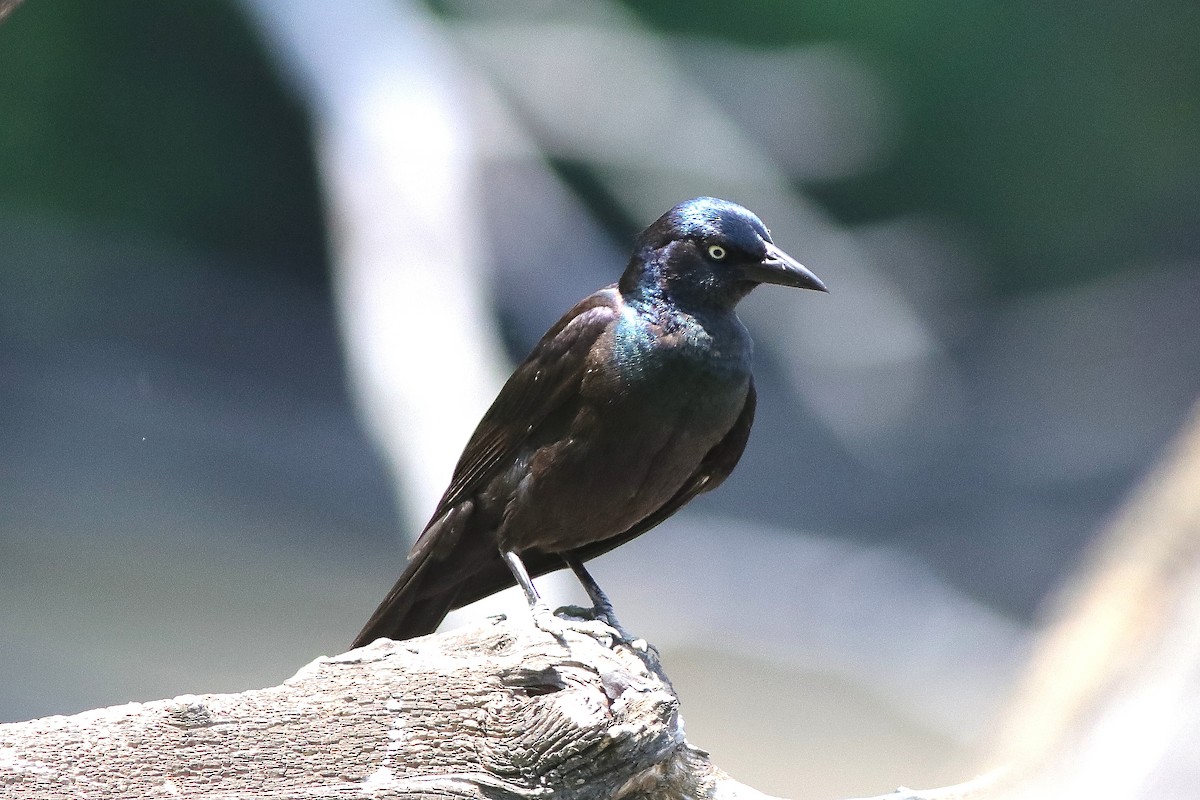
(550, 376)
(714, 469)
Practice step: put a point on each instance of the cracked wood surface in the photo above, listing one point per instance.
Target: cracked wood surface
(500, 711)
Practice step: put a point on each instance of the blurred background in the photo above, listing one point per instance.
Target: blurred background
(263, 264)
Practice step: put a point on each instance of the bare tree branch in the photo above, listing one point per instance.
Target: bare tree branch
(1109, 706)
(7, 7)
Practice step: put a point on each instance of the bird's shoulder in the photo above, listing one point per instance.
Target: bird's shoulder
(582, 325)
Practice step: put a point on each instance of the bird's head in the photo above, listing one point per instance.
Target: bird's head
(713, 251)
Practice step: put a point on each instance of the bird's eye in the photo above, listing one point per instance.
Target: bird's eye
(716, 252)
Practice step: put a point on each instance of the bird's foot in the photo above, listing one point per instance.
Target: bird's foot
(585, 620)
(609, 617)
(602, 607)
(598, 622)
(545, 621)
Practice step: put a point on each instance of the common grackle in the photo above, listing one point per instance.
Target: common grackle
(637, 400)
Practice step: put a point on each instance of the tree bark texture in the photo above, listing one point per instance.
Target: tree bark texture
(503, 711)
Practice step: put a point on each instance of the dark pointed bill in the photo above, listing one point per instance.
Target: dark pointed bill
(780, 268)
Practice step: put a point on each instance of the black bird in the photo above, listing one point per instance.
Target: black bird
(637, 400)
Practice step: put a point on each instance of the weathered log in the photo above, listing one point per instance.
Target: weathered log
(502, 710)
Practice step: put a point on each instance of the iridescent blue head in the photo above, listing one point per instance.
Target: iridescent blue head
(710, 252)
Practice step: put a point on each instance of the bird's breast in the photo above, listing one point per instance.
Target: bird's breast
(656, 396)
(685, 352)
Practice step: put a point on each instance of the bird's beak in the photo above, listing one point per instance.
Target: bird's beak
(780, 268)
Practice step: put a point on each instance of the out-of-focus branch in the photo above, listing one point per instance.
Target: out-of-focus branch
(1111, 704)
(7, 6)
(398, 171)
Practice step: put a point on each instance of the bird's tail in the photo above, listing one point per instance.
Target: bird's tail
(416, 605)
(444, 575)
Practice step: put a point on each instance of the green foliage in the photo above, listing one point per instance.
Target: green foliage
(1062, 136)
(161, 117)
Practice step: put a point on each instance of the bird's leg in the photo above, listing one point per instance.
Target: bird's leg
(602, 606)
(543, 618)
(517, 567)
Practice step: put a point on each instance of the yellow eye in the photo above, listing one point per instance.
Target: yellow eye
(716, 252)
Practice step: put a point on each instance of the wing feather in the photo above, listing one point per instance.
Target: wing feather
(716, 466)
(549, 376)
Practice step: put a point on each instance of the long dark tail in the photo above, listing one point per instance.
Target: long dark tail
(433, 585)
(416, 605)
(449, 567)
